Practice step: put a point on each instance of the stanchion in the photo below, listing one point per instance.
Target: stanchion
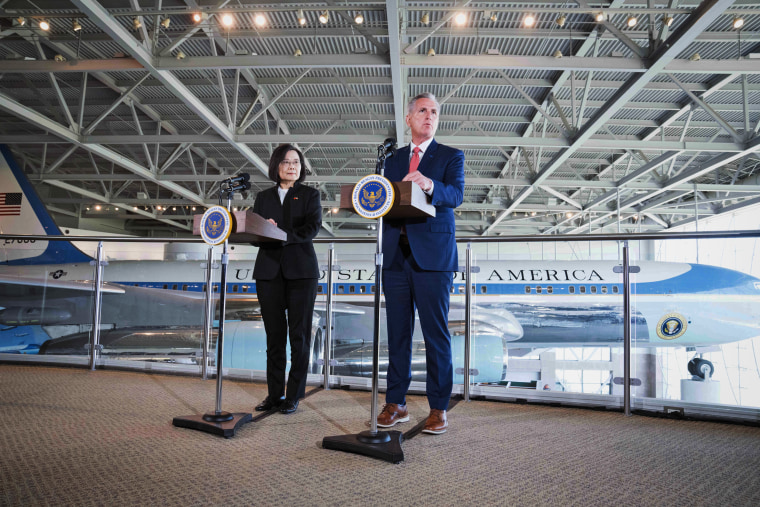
(384, 445)
(219, 422)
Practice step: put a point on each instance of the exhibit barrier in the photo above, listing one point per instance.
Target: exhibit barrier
(600, 347)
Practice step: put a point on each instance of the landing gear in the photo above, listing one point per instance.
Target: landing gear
(701, 368)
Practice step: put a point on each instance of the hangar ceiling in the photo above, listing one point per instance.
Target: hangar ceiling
(573, 125)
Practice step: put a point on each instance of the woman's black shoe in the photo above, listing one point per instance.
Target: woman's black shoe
(288, 406)
(268, 404)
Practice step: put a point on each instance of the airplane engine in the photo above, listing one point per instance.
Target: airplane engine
(32, 316)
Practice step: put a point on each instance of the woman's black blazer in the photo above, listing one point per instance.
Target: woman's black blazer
(300, 215)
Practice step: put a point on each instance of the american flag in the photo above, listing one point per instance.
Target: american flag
(10, 204)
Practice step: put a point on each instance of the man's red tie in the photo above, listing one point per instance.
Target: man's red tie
(415, 162)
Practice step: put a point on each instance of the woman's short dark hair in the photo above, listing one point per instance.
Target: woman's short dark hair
(278, 155)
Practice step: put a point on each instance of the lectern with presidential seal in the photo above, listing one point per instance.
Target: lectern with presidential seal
(373, 198)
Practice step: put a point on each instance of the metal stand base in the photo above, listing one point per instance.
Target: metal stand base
(225, 428)
(384, 445)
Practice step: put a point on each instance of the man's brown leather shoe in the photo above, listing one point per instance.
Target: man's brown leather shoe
(392, 414)
(436, 422)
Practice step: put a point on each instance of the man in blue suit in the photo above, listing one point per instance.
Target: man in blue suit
(419, 260)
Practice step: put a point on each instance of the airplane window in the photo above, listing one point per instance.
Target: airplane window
(604, 289)
(583, 289)
(483, 289)
(571, 289)
(319, 289)
(174, 287)
(527, 289)
(363, 289)
(216, 288)
(245, 288)
(461, 289)
(615, 289)
(538, 289)
(372, 288)
(184, 286)
(341, 289)
(473, 289)
(453, 289)
(137, 285)
(166, 286)
(234, 288)
(593, 289)
(204, 287)
(550, 289)
(352, 289)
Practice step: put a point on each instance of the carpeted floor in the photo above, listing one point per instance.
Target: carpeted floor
(73, 437)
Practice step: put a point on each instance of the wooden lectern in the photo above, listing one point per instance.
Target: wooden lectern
(247, 227)
(410, 200)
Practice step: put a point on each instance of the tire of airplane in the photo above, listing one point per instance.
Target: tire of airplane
(701, 368)
(317, 351)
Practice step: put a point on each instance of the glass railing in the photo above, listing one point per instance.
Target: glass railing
(543, 320)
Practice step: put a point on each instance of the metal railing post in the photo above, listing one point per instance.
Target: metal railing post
(95, 335)
(467, 322)
(328, 317)
(626, 331)
(208, 314)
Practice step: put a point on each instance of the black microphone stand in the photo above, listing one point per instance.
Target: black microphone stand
(385, 445)
(219, 422)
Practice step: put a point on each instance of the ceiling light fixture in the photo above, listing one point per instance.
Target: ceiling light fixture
(558, 54)
(738, 22)
(695, 57)
(165, 23)
(44, 25)
(260, 20)
(425, 19)
(199, 16)
(136, 23)
(529, 20)
(561, 21)
(632, 20)
(460, 18)
(227, 20)
(76, 26)
(59, 58)
(324, 17)
(494, 17)
(431, 52)
(180, 55)
(359, 19)
(301, 17)
(599, 17)
(335, 210)
(98, 207)
(297, 52)
(21, 21)
(668, 20)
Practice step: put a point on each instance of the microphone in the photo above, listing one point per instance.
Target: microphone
(241, 178)
(243, 185)
(388, 147)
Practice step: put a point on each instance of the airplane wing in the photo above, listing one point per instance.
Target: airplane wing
(18, 286)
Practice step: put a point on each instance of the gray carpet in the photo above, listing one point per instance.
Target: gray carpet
(73, 437)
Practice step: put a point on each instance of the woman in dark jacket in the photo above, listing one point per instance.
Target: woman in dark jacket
(286, 276)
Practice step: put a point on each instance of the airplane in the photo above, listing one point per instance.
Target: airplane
(153, 309)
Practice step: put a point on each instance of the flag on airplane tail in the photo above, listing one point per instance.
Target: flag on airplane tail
(10, 204)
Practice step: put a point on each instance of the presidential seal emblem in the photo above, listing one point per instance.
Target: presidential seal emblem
(373, 196)
(216, 225)
(671, 326)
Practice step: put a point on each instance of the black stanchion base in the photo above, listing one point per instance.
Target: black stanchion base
(384, 445)
(224, 428)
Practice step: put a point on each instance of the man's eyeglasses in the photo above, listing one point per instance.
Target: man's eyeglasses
(291, 163)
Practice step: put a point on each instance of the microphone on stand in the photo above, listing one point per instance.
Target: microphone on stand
(388, 148)
(244, 185)
(242, 177)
